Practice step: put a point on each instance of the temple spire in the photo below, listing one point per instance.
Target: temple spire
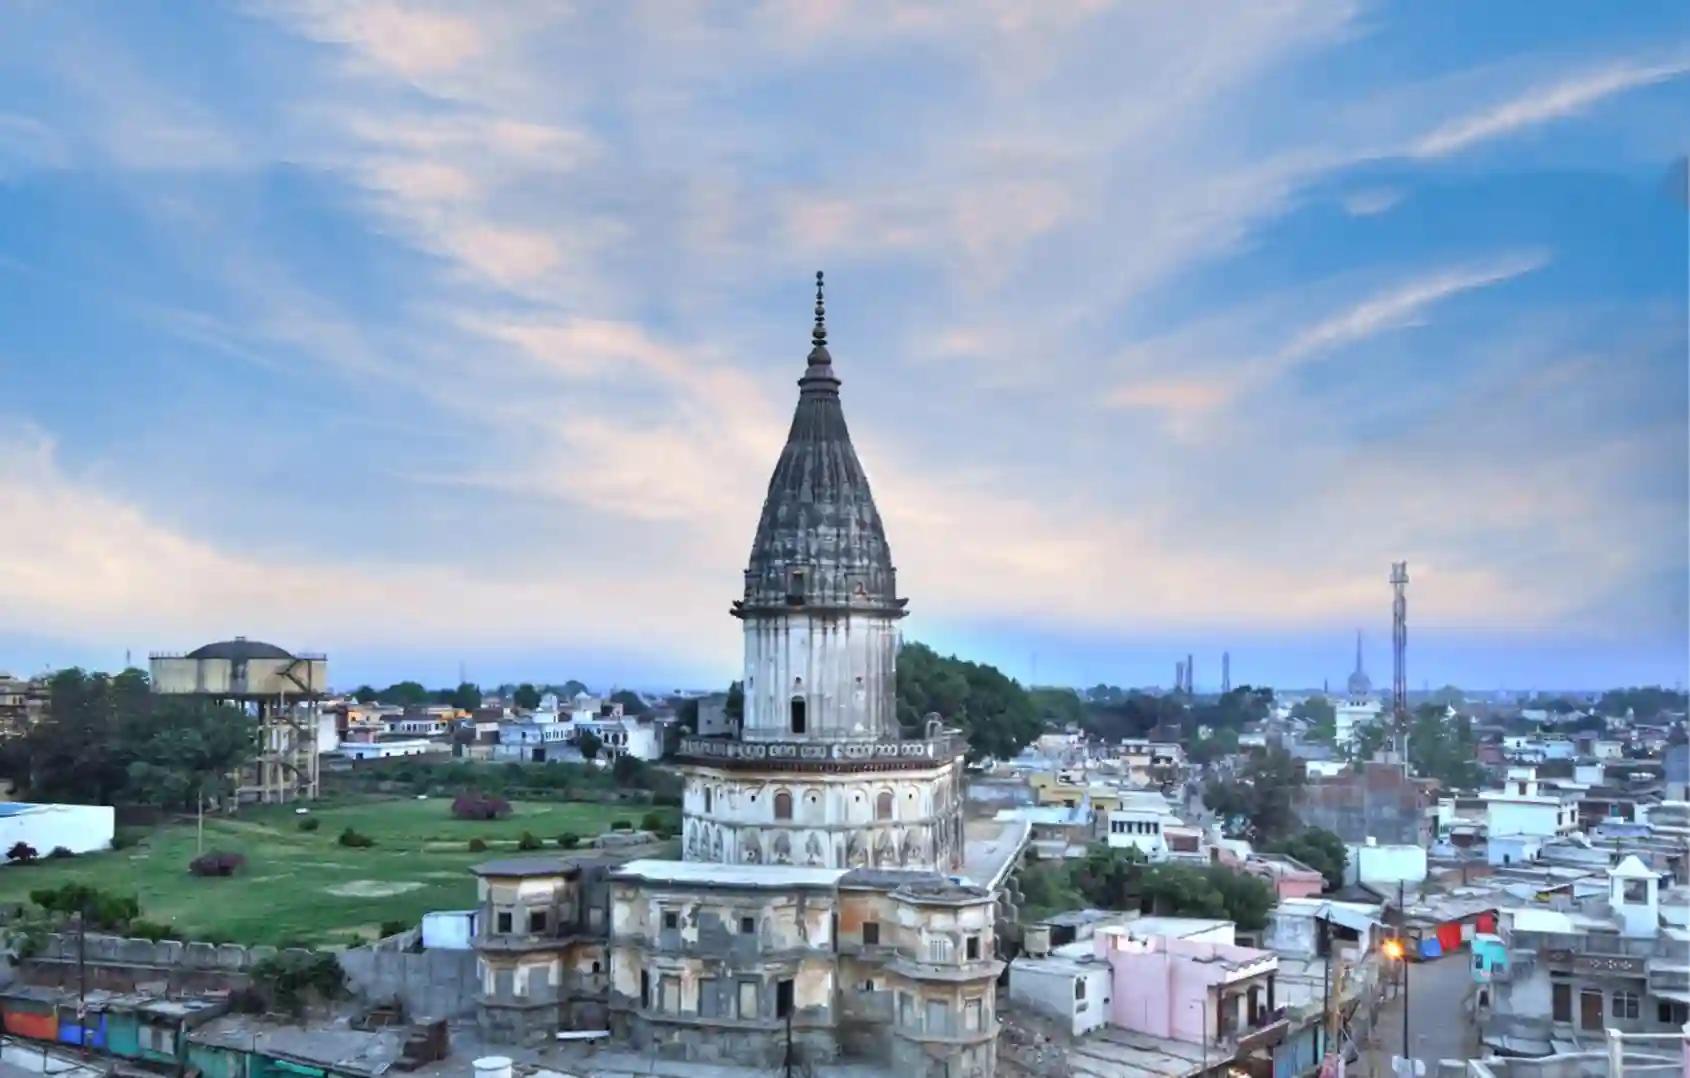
(818, 336)
(818, 374)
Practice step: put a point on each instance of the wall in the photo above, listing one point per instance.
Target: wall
(78, 828)
(843, 667)
(1385, 864)
(431, 984)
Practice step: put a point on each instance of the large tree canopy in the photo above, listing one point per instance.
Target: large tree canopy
(107, 739)
(996, 713)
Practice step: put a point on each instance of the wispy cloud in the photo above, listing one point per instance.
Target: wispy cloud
(1542, 104)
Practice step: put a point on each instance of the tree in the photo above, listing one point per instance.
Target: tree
(734, 708)
(1367, 740)
(1321, 715)
(994, 712)
(181, 749)
(405, 694)
(526, 697)
(568, 690)
(1115, 715)
(1223, 742)
(1107, 876)
(1210, 891)
(1320, 850)
(365, 694)
(628, 770)
(1058, 709)
(632, 703)
(1444, 750)
(590, 744)
(1261, 795)
(466, 697)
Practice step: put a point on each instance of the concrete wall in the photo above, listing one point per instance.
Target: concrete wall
(1385, 864)
(844, 668)
(429, 984)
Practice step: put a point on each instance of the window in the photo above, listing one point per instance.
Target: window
(871, 933)
(596, 968)
(1079, 988)
(1636, 891)
(709, 799)
(748, 926)
(1625, 1004)
(783, 998)
(502, 922)
(972, 1012)
(536, 922)
(645, 989)
(748, 999)
(783, 805)
(883, 805)
(1672, 1013)
(671, 1002)
(671, 919)
(797, 714)
(709, 1004)
(971, 948)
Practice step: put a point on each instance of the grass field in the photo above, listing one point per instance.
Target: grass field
(304, 886)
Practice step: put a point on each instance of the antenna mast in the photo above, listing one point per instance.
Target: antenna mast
(1399, 651)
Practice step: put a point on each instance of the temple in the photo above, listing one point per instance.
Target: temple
(825, 907)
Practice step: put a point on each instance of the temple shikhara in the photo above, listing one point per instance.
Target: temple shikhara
(827, 905)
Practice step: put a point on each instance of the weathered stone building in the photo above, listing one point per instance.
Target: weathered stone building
(821, 908)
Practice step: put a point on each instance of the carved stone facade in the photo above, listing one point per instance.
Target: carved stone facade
(905, 818)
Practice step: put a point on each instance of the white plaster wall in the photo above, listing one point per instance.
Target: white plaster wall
(78, 828)
(730, 817)
(843, 666)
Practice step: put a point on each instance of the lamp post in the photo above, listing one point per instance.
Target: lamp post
(1396, 949)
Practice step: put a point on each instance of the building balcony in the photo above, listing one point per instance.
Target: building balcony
(821, 754)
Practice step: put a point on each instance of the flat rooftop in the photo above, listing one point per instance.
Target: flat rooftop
(708, 874)
(991, 847)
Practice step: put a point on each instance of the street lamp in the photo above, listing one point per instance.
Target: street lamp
(1394, 950)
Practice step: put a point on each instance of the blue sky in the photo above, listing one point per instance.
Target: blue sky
(428, 334)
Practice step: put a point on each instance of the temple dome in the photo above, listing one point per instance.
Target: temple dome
(820, 542)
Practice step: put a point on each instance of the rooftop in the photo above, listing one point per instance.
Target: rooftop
(709, 874)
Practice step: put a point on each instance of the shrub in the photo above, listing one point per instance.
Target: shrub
(22, 853)
(354, 839)
(477, 845)
(476, 805)
(654, 821)
(102, 909)
(60, 853)
(622, 825)
(310, 823)
(569, 840)
(528, 841)
(121, 841)
(292, 980)
(217, 863)
(148, 930)
(393, 928)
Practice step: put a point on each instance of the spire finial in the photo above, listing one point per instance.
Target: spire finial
(819, 334)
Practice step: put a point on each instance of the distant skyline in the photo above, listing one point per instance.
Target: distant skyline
(424, 333)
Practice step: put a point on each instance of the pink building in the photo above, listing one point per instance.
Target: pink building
(1289, 877)
(1199, 992)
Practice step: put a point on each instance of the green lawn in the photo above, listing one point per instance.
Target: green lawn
(305, 886)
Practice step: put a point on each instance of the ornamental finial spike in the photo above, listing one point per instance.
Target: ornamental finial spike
(819, 334)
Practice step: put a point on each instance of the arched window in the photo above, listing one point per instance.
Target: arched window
(798, 714)
(709, 799)
(883, 805)
(783, 805)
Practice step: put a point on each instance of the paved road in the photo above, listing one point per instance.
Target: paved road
(1439, 1024)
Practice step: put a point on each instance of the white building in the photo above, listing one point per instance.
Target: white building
(1140, 823)
(387, 750)
(1524, 807)
(78, 828)
(1357, 709)
(1073, 991)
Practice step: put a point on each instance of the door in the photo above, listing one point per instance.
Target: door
(1590, 1009)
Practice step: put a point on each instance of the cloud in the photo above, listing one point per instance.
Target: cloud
(1541, 105)
(404, 40)
(1371, 200)
(1232, 373)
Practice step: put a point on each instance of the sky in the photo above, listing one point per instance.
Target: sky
(445, 336)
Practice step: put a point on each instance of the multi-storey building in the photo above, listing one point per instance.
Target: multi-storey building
(1554, 980)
